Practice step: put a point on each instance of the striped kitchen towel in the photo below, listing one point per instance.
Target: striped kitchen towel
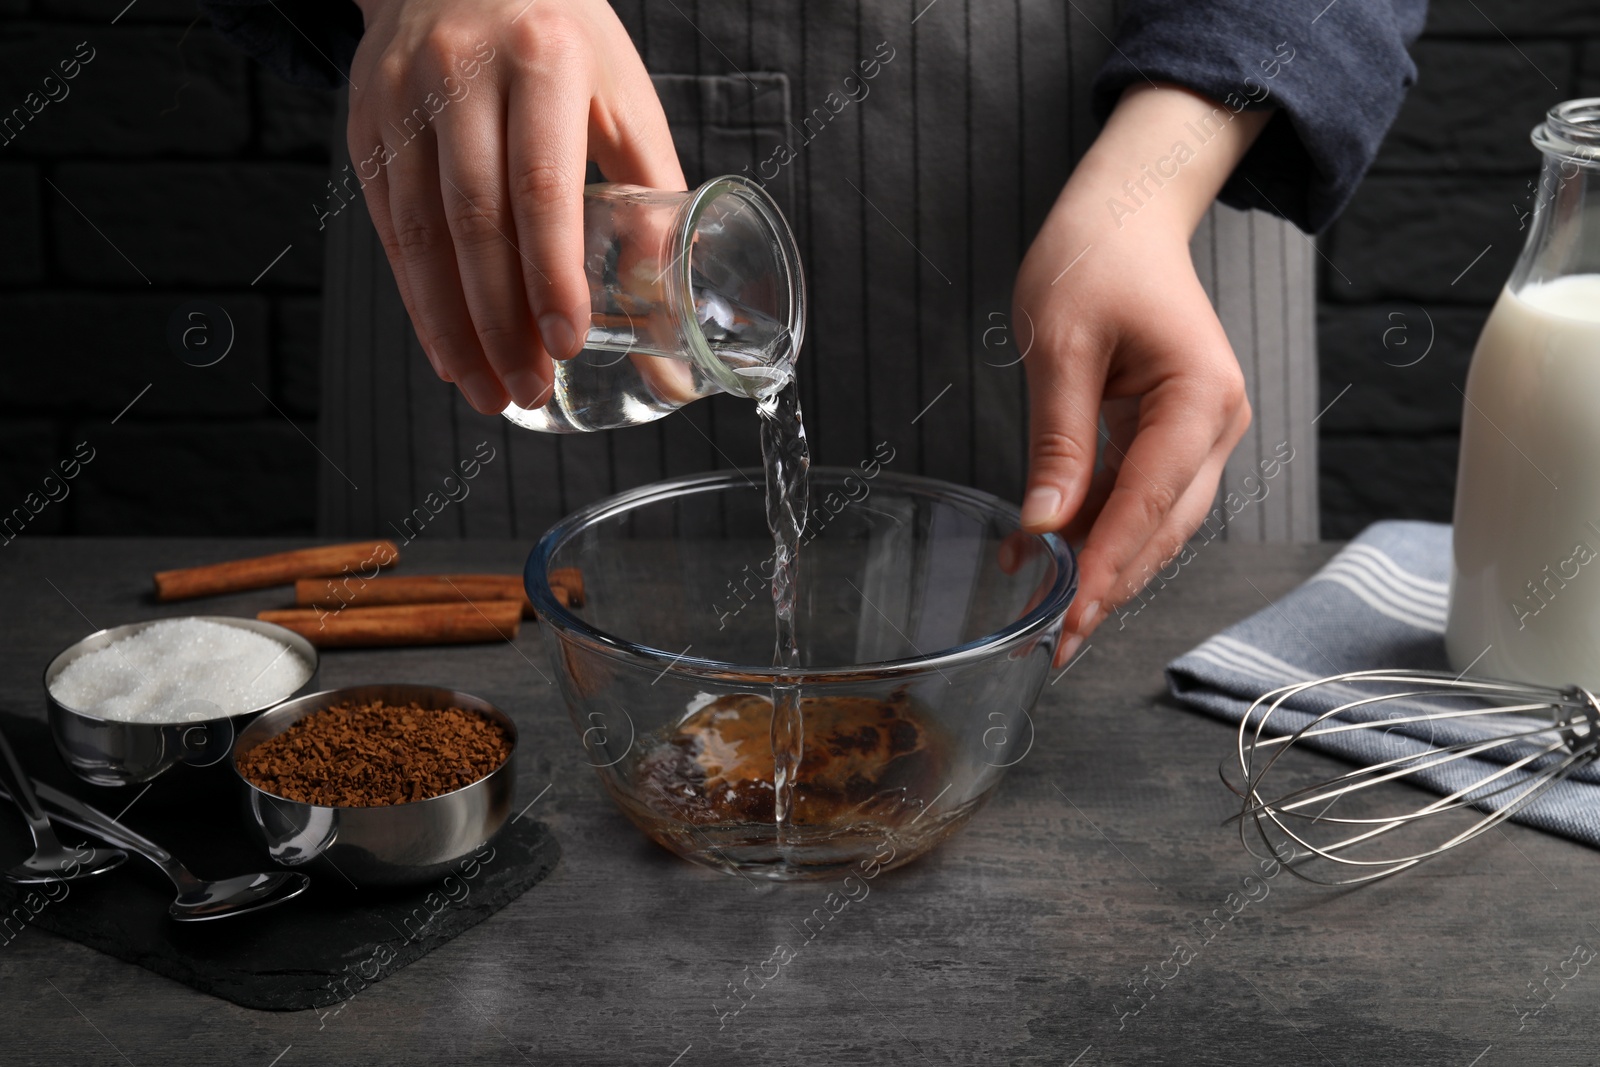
(1379, 603)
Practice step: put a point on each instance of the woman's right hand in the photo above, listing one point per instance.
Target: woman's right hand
(471, 125)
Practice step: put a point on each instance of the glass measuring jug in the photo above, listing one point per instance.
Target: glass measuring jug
(691, 293)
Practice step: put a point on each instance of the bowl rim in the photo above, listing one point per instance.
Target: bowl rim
(1051, 607)
(75, 651)
(294, 711)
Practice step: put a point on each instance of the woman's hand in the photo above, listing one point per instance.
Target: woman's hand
(1121, 329)
(471, 123)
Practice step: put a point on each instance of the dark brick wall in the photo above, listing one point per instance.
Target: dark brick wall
(170, 170)
(1454, 178)
(175, 170)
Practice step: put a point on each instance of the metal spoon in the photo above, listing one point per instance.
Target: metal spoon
(50, 861)
(197, 899)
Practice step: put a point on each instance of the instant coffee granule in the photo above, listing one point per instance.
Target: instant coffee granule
(363, 755)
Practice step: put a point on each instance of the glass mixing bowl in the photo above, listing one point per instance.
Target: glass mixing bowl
(927, 622)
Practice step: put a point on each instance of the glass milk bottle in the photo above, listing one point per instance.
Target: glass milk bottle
(691, 293)
(1525, 583)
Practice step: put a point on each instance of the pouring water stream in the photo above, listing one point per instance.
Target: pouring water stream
(786, 457)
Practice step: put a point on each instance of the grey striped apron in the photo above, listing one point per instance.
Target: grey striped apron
(914, 196)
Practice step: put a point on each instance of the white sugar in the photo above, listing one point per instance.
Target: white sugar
(181, 670)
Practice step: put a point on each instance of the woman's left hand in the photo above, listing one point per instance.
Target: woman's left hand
(1117, 326)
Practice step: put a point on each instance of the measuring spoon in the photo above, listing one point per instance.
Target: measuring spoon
(50, 861)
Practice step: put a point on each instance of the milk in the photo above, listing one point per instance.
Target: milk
(1525, 585)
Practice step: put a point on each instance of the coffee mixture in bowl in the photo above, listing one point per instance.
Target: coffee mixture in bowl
(861, 757)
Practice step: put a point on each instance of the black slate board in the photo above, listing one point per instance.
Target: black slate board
(315, 951)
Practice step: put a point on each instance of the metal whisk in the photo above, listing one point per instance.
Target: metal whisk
(1505, 744)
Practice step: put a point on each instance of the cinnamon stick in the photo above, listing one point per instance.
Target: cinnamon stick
(402, 624)
(354, 591)
(571, 580)
(280, 568)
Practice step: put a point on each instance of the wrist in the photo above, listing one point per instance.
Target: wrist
(1161, 159)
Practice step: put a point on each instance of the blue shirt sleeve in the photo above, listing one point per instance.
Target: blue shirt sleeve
(309, 42)
(1336, 78)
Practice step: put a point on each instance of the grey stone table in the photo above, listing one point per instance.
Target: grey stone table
(1016, 942)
